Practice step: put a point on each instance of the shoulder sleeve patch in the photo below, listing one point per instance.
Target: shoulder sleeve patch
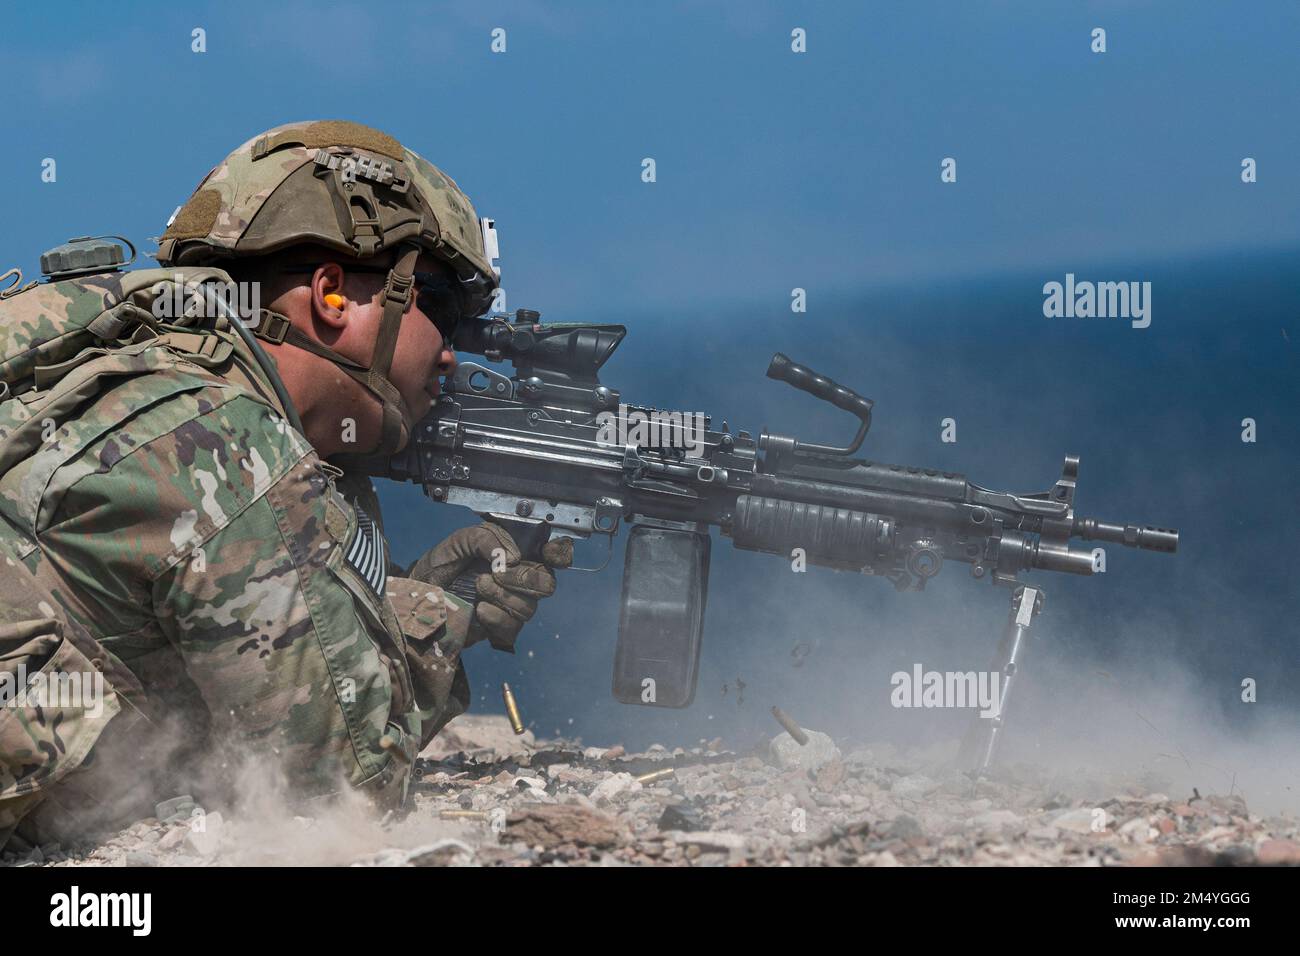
(367, 554)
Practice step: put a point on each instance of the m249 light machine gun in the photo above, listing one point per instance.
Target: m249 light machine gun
(553, 451)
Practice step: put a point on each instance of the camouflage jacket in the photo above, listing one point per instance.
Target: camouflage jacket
(158, 496)
(44, 655)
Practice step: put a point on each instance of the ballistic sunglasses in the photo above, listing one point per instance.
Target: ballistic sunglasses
(437, 294)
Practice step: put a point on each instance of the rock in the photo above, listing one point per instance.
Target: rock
(1278, 853)
(830, 774)
(709, 841)
(205, 842)
(861, 758)
(761, 809)
(175, 809)
(1236, 855)
(443, 853)
(912, 786)
(1232, 806)
(475, 734)
(1216, 834)
(903, 827)
(1056, 801)
(1176, 856)
(995, 819)
(685, 817)
(173, 838)
(1080, 820)
(613, 785)
(1138, 830)
(819, 751)
(580, 799)
(553, 825)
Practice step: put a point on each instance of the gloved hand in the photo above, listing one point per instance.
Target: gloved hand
(507, 597)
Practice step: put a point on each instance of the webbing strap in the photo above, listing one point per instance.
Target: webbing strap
(276, 328)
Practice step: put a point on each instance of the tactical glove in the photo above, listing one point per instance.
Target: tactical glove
(507, 595)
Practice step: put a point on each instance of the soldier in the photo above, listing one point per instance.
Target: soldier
(180, 506)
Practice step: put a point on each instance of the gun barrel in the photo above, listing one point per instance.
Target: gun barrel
(1131, 536)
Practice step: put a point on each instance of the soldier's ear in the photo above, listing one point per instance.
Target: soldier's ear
(327, 302)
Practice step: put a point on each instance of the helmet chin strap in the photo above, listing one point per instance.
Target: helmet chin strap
(398, 422)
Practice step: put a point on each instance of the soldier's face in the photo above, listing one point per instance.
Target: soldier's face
(421, 357)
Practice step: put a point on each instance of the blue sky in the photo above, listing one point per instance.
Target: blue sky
(774, 169)
(819, 171)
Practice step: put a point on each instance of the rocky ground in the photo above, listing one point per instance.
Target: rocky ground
(487, 797)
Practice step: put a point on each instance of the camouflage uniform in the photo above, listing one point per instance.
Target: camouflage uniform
(39, 745)
(163, 519)
(164, 502)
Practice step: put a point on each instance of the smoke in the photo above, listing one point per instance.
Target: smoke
(265, 822)
(1114, 694)
(245, 812)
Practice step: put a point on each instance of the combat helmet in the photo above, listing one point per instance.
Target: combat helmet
(352, 189)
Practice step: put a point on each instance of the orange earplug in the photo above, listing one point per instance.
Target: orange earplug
(334, 300)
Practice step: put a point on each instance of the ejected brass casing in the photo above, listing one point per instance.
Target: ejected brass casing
(512, 709)
(463, 814)
(793, 729)
(655, 776)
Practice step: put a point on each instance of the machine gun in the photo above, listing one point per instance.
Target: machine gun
(553, 451)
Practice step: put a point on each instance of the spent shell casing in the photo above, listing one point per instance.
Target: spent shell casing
(791, 728)
(512, 709)
(655, 776)
(463, 814)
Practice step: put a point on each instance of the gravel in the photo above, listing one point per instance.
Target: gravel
(501, 800)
